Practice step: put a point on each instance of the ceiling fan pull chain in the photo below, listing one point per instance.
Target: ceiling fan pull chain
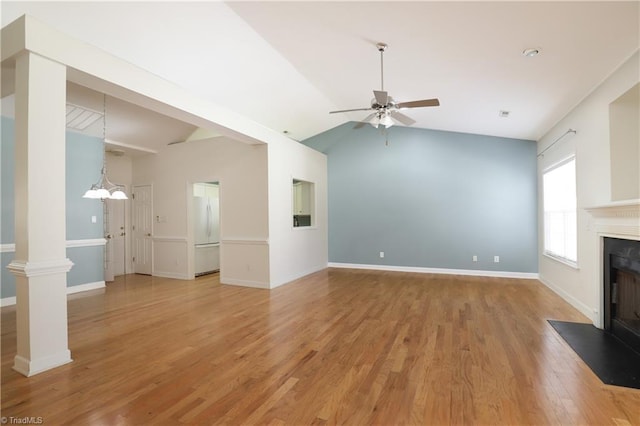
(385, 133)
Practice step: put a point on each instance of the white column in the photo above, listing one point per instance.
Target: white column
(40, 264)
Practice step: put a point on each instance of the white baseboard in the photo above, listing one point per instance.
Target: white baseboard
(421, 270)
(174, 275)
(584, 309)
(299, 275)
(243, 283)
(85, 287)
(9, 301)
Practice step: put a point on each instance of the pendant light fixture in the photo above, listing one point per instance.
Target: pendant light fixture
(104, 188)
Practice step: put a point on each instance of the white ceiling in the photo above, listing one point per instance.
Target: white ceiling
(286, 64)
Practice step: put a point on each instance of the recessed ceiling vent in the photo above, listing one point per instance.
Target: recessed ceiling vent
(531, 52)
(79, 118)
(504, 114)
(115, 152)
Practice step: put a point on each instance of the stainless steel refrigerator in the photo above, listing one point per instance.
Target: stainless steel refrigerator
(206, 235)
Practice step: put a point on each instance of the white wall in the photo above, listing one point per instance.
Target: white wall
(241, 170)
(296, 252)
(581, 287)
(259, 246)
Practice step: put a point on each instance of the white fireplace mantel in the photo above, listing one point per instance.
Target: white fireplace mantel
(620, 218)
(626, 208)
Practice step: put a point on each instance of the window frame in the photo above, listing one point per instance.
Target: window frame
(560, 257)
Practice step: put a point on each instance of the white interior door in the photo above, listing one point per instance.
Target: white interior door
(108, 249)
(116, 240)
(142, 207)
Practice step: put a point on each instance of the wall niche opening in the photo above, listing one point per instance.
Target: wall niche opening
(624, 136)
(303, 203)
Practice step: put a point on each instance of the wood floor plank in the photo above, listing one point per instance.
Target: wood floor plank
(336, 347)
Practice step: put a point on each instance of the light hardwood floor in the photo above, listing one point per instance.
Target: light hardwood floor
(339, 346)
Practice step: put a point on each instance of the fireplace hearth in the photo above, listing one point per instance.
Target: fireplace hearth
(622, 290)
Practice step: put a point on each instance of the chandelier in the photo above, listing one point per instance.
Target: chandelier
(105, 189)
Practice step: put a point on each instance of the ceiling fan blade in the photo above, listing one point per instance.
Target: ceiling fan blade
(364, 121)
(381, 97)
(407, 121)
(418, 104)
(349, 110)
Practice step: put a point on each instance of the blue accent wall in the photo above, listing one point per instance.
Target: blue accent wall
(430, 198)
(88, 265)
(8, 283)
(84, 156)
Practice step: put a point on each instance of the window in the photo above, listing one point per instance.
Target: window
(560, 224)
(302, 203)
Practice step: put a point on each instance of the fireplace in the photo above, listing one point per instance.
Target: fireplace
(621, 261)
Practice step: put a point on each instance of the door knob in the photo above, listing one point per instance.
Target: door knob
(148, 235)
(108, 236)
(122, 234)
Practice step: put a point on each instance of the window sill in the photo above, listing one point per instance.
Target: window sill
(567, 262)
(301, 228)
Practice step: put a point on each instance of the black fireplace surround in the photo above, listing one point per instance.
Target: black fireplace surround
(622, 290)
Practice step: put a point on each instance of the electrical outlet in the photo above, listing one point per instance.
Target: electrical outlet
(475, 258)
(381, 254)
(94, 219)
(496, 259)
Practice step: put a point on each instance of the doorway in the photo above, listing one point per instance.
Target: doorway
(206, 227)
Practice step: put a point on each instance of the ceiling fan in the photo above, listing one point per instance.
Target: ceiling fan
(386, 110)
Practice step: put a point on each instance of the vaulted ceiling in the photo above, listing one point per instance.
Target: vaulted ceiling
(287, 64)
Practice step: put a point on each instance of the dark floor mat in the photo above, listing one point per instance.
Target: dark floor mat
(611, 360)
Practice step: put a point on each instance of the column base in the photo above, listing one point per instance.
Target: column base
(32, 367)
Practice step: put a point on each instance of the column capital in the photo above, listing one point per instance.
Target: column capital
(28, 269)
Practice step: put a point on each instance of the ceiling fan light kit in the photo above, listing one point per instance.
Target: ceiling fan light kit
(386, 110)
